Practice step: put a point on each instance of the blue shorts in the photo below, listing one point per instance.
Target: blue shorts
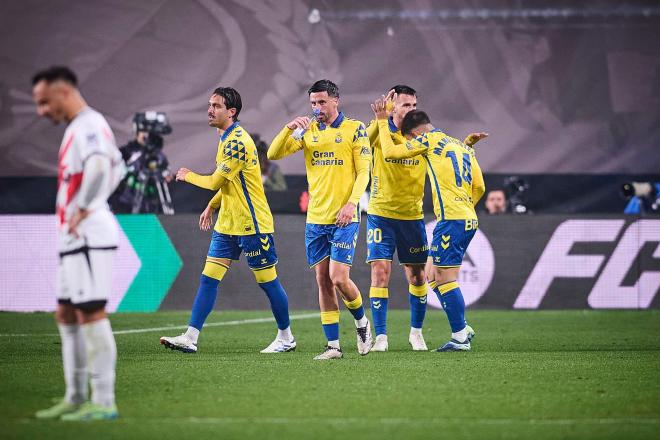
(407, 236)
(259, 249)
(450, 241)
(323, 241)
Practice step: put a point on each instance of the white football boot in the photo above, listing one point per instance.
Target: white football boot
(364, 339)
(180, 343)
(329, 353)
(380, 344)
(470, 332)
(417, 342)
(280, 346)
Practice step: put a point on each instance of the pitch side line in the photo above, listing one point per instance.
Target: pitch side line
(159, 329)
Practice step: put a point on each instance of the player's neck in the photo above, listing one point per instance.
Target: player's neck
(225, 127)
(74, 108)
(397, 121)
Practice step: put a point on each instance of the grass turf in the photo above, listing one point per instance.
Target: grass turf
(546, 374)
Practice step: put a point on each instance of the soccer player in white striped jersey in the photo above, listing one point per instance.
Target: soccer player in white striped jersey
(89, 169)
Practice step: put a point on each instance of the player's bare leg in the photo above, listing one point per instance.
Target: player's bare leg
(418, 301)
(381, 271)
(339, 274)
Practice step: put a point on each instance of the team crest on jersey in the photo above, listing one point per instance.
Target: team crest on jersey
(92, 140)
(315, 138)
(364, 151)
(224, 168)
(338, 139)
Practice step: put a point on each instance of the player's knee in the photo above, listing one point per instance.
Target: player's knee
(416, 278)
(380, 273)
(265, 275)
(65, 312)
(339, 277)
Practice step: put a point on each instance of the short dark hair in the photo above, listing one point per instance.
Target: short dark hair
(55, 73)
(400, 89)
(232, 99)
(324, 85)
(412, 120)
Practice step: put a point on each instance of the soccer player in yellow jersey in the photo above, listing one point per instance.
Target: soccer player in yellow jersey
(457, 185)
(244, 224)
(395, 222)
(337, 157)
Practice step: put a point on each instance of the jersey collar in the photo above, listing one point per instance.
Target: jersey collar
(390, 122)
(337, 122)
(228, 131)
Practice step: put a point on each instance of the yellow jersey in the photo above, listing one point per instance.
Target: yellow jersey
(456, 179)
(397, 185)
(243, 206)
(337, 158)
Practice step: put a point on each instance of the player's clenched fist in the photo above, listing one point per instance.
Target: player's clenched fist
(299, 122)
(181, 174)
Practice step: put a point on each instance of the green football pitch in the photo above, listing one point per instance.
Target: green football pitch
(549, 374)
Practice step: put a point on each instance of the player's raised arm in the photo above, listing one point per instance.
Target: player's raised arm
(362, 161)
(472, 138)
(284, 143)
(390, 150)
(478, 185)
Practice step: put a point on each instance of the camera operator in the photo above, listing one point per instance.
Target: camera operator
(145, 188)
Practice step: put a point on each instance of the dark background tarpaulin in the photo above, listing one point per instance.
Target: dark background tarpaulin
(562, 87)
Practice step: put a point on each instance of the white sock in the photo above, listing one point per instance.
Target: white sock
(102, 357)
(334, 344)
(285, 334)
(362, 322)
(415, 331)
(74, 361)
(193, 334)
(460, 336)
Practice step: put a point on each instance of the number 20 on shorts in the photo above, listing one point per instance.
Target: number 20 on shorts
(374, 235)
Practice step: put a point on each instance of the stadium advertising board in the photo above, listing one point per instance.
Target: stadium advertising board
(520, 262)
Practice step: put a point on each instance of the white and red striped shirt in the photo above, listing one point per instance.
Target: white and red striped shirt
(88, 134)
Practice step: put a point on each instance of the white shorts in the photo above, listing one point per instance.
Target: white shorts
(84, 275)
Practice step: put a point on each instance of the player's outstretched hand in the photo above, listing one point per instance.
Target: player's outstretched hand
(379, 108)
(299, 122)
(206, 219)
(473, 138)
(181, 174)
(345, 215)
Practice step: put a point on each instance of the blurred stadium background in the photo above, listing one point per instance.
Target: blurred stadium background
(569, 92)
